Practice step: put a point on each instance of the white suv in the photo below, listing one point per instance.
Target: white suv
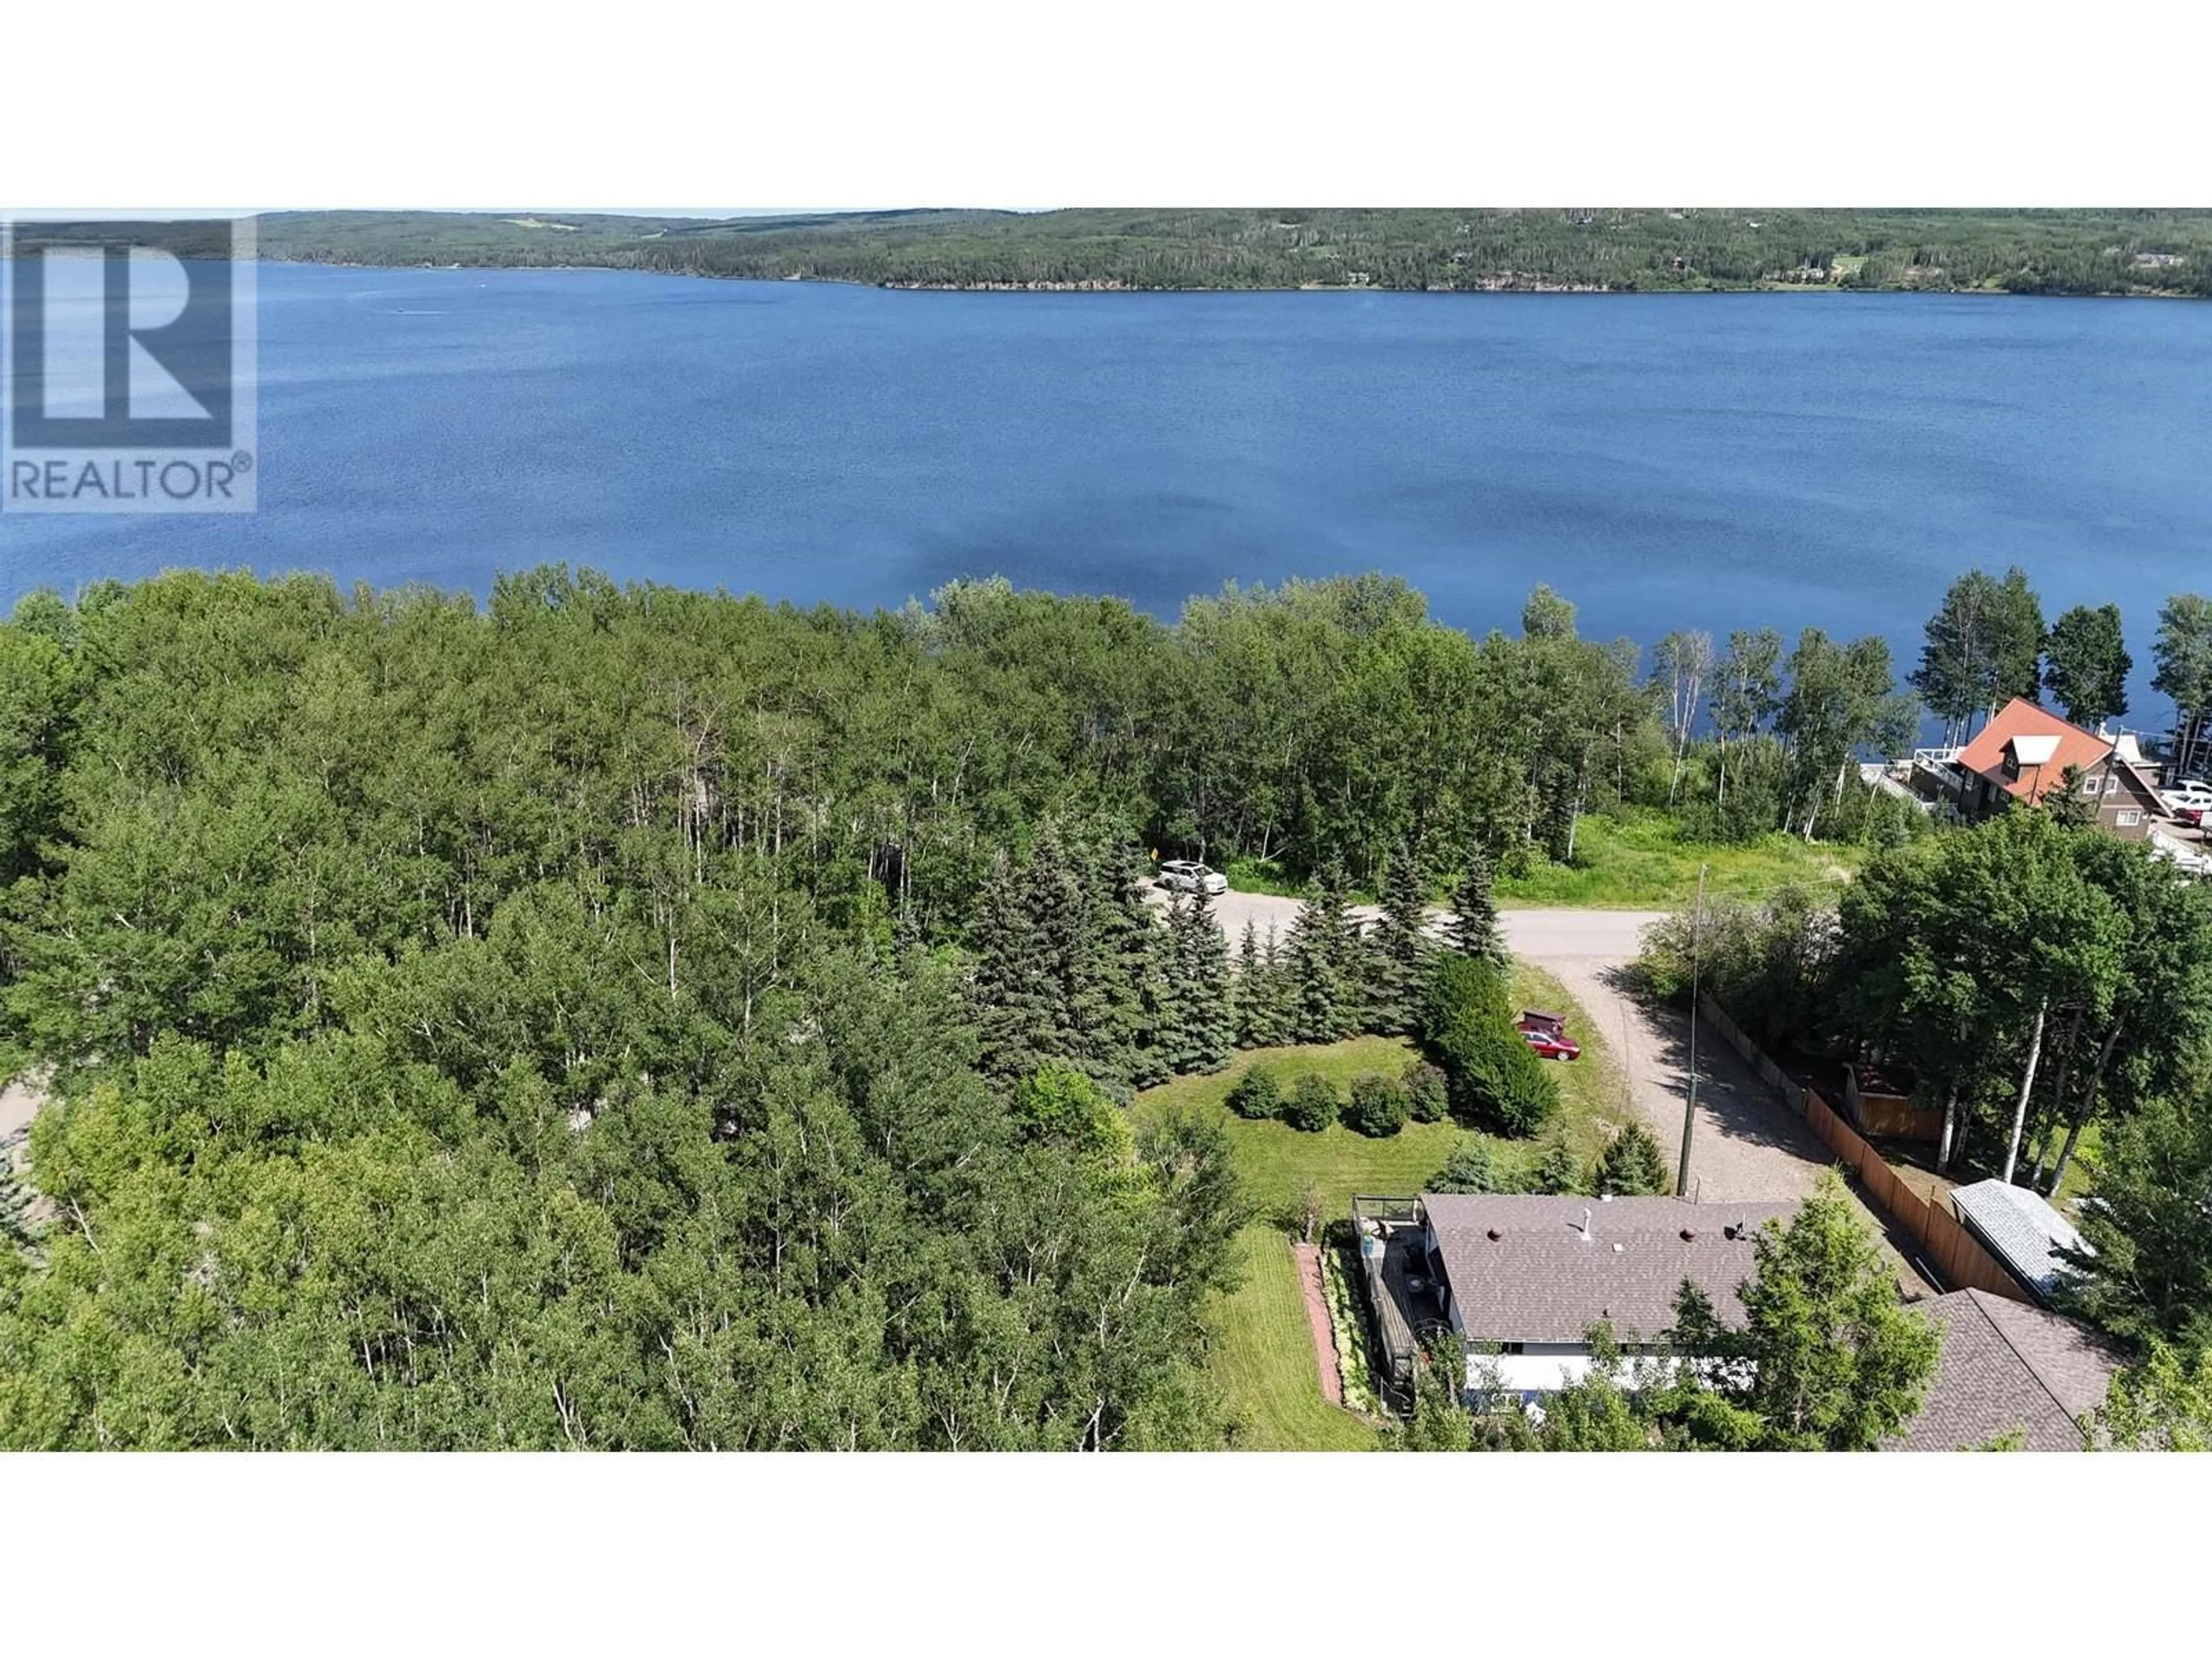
(2190, 792)
(1186, 876)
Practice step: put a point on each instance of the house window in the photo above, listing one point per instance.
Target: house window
(2113, 784)
(2091, 786)
(1509, 1348)
(2128, 820)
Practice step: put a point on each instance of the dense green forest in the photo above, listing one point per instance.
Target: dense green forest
(629, 1016)
(634, 1017)
(2041, 252)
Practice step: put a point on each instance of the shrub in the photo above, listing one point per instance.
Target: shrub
(1469, 1169)
(1495, 1080)
(1631, 1165)
(1257, 1095)
(1767, 963)
(1464, 991)
(1062, 1107)
(1378, 1105)
(1310, 1105)
(1557, 1172)
(1428, 1097)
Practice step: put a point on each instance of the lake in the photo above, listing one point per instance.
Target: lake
(1713, 461)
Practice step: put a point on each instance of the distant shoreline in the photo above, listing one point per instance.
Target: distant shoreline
(2087, 253)
(1106, 287)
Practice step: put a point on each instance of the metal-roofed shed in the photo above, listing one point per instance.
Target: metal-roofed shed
(2020, 1229)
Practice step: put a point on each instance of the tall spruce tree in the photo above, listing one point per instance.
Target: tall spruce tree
(1475, 930)
(1329, 1001)
(1401, 949)
(1248, 996)
(1207, 1026)
(1275, 1015)
(1122, 1002)
(1022, 982)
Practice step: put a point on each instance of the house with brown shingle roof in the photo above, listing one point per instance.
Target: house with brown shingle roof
(2007, 1369)
(2027, 753)
(1522, 1279)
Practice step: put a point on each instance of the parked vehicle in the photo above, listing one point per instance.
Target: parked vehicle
(2191, 818)
(1547, 1034)
(1553, 1045)
(1189, 875)
(2189, 793)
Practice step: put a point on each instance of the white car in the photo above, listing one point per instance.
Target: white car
(2190, 792)
(1186, 876)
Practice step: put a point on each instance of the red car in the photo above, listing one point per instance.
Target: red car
(2191, 817)
(1551, 1044)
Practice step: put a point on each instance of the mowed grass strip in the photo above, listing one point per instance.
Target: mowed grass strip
(1594, 1101)
(1638, 862)
(1262, 1355)
(1263, 1358)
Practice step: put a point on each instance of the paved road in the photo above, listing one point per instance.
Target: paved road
(18, 1105)
(1746, 1144)
(1543, 936)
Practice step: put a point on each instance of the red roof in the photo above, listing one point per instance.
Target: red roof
(2038, 773)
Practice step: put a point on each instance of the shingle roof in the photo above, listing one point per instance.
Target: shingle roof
(2007, 1366)
(1539, 1281)
(2024, 1231)
(2043, 765)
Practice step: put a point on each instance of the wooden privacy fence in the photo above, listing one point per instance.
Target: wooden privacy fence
(1949, 1247)
(1753, 1056)
(1955, 1254)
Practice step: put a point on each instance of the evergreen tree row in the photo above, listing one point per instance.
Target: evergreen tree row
(1071, 967)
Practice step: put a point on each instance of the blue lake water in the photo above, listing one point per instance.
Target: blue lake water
(1713, 462)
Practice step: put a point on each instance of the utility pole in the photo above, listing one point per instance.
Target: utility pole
(1690, 1104)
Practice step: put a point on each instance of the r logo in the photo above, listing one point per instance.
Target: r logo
(129, 376)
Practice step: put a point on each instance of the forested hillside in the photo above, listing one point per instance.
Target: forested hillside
(2042, 251)
(630, 1016)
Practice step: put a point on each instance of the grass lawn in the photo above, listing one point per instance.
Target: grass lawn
(1263, 1358)
(1262, 1355)
(1637, 862)
(1274, 1161)
(2081, 1171)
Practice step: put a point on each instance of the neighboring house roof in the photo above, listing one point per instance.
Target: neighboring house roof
(2007, 1367)
(2024, 1231)
(2042, 745)
(1540, 1281)
(2144, 781)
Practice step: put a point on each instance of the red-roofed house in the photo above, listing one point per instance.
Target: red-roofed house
(2026, 753)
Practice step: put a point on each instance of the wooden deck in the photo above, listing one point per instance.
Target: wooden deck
(1400, 1309)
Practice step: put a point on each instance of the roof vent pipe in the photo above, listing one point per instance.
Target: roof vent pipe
(1586, 1221)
